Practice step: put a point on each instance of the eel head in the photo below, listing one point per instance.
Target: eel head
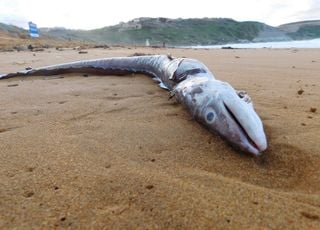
(217, 106)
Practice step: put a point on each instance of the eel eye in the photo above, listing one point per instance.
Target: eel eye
(210, 117)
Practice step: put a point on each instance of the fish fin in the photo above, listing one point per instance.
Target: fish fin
(170, 56)
(156, 79)
(177, 64)
(163, 86)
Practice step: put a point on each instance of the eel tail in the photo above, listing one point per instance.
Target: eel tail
(154, 65)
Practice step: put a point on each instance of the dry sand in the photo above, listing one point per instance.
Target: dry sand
(114, 152)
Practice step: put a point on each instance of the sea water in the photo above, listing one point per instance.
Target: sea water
(314, 43)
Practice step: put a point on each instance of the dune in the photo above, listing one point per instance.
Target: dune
(110, 152)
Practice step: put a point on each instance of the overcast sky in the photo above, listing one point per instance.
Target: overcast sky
(90, 14)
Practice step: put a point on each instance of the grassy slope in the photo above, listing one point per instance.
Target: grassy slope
(307, 32)
(172, 32)
(302, 30)
(183, 32)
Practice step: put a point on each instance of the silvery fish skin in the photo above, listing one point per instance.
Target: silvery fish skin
(213, 103)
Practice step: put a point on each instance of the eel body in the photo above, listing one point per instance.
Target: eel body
(215, 104)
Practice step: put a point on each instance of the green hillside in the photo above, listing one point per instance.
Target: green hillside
(172, 32)
(302, 30)
(183, 32)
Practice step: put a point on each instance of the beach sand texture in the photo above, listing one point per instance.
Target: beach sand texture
(110, 152)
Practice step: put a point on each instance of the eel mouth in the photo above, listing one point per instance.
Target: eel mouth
(251, 142)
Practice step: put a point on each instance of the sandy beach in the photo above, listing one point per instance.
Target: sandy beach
(110, 152)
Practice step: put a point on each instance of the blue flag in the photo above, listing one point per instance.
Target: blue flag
(33, 30)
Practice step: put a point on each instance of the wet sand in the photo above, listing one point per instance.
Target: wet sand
(109, 152)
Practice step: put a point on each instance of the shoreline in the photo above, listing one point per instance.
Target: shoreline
(293, 44)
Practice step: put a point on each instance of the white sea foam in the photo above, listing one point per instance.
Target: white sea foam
(314, 43)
